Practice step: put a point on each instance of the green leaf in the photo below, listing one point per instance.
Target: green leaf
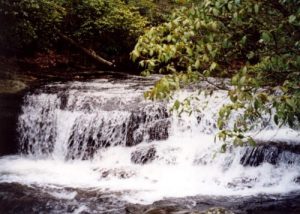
(291, 103)
(235, 15)
(238, 142)
(243, 40)
(213, 66)
(215, 12)
(223, 148)
(235, 79)
(169, 38)
(176, 105)
(220, 123)
(251, 141)
(197, 64)
(292, 18)
(256, 8)
(250, 55)
(265, 37)
(134, 55)
(142, 63)
(209, 47)
(257, 104)
(189, 51)
(242, 80)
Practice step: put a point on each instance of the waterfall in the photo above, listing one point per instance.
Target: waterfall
(103, 134)
(78, 120)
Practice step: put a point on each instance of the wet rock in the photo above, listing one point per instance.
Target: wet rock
(159, 131)
(297, 180)
(257, 155)
(173, 209)
(155, 208)
(143, 156)
(135, 208)
(148, 123)
(134, 123)
(18, 199)
(272, 153)
(199, 118)
(241, 183)
(10, 106)
(164, 210)
(119, 173)
(202, 160)
(15, 198)
(217, 210)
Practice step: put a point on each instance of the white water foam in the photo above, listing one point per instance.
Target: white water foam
(187, 163)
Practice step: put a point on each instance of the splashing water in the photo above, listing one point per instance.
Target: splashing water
(104, 135)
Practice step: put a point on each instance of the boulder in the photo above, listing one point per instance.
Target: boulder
(143, 155)
(272, 153)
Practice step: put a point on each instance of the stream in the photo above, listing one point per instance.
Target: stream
(98, 146)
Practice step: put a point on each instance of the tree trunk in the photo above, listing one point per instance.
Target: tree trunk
(91, 53)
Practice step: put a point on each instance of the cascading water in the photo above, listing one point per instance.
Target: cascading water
(87, 117)
(103, 135)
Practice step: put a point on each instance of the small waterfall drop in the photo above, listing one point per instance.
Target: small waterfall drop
(79, 119)
(103, 134)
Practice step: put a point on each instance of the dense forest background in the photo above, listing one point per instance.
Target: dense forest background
(256, 44)
(58, 30)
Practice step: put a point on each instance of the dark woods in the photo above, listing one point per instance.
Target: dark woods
(82, 32)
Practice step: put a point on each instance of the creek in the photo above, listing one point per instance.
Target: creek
(98, 146)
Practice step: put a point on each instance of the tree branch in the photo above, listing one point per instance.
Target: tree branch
(91, 53)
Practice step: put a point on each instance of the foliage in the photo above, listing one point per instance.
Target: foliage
(157, 11)
(32, 24)
(23, 22)
(255, 43)
(99, 22)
